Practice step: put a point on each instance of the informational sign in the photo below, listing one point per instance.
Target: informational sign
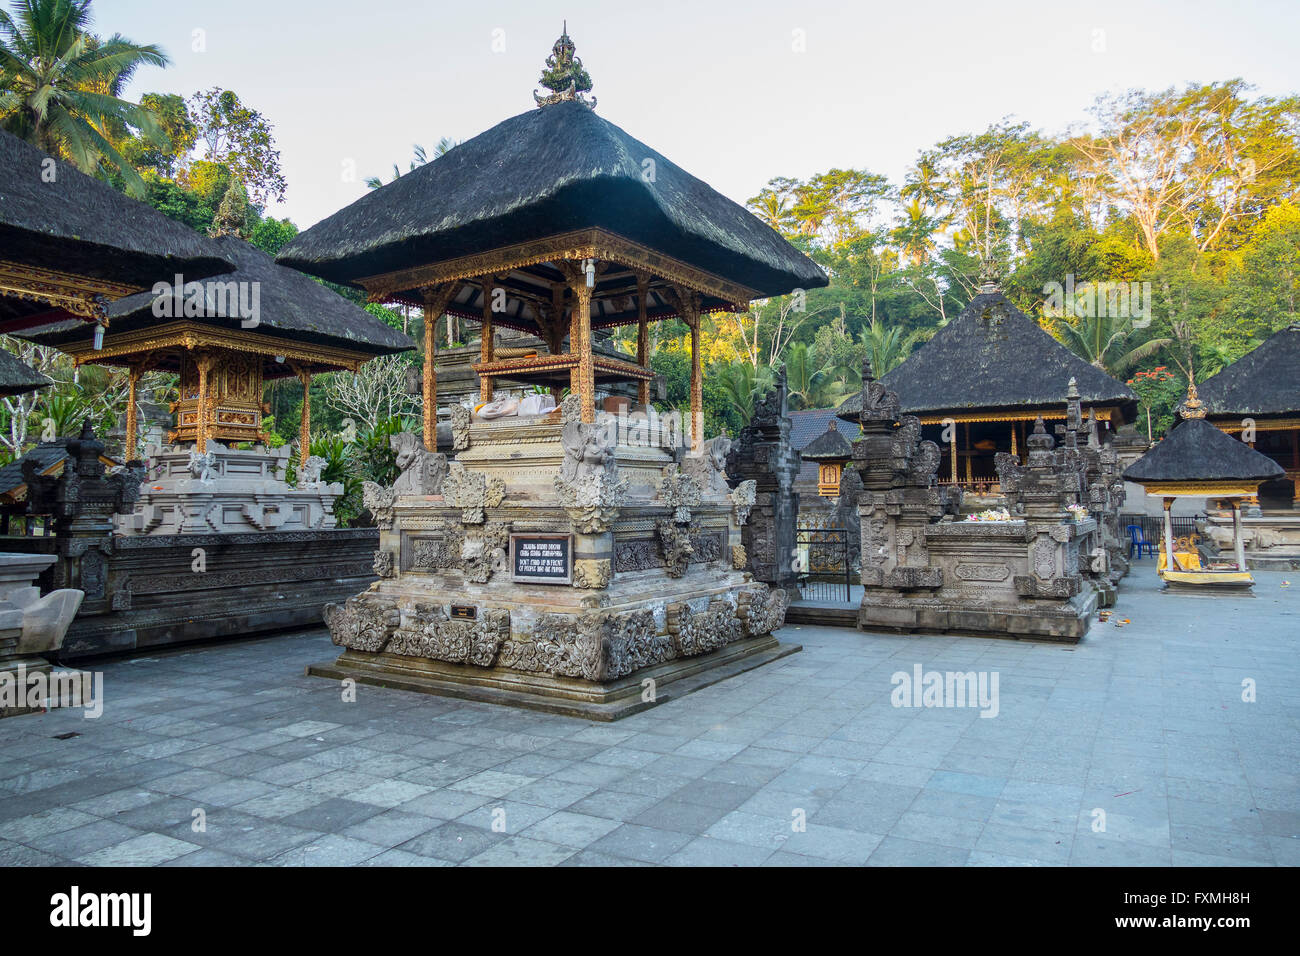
(541, 558)
(463, 612)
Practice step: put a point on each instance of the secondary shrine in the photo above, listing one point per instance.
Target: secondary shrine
(565, 556)
(979, 385)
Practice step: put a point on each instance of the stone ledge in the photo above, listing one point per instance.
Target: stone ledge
(567, 697)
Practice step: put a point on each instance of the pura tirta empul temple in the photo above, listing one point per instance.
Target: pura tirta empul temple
(992, 372)
(559, 561)
(1197, 459)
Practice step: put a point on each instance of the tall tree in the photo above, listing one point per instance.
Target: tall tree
(240, 138)
(60, 86)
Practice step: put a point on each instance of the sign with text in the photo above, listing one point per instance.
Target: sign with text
(541, 558)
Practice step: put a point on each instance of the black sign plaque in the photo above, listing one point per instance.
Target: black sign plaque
(541, 558)
(463, 612)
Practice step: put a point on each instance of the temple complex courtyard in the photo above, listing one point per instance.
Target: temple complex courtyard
(1133, 747)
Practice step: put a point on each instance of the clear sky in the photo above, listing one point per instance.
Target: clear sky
(726, 90)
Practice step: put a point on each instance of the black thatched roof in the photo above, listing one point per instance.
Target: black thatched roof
(828, 446)
(292, 306)
(544, 173)
(994, 357)
(17, 377)
(1265, 381)
(79, 225)
(1195, 450)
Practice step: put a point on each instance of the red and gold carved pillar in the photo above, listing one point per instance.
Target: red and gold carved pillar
(436, 300)
(486, 353)
(642, 335)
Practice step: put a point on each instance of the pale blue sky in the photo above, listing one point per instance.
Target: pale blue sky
(716, 87)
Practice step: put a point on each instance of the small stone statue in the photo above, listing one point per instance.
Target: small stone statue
(202, 464)
(709, 468)
(422, 471)
(310, 476)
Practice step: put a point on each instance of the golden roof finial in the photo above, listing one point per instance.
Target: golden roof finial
(1191, 406)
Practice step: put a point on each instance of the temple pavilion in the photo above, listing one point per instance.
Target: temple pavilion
(1196, 459)
(555, 563)
(69, 244)
(225, 339)
(992, 372)
(1260, 393)
(555, 222)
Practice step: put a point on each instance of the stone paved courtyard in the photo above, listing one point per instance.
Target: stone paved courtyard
(1144, 722)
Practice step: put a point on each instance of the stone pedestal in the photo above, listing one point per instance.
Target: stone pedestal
(31, 629)
(228, 490)
(551, 566)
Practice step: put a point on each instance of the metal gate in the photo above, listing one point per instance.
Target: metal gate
(822, 563)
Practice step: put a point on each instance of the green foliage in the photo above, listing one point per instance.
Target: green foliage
(240, 138)
(60, 88)
(1159, 391)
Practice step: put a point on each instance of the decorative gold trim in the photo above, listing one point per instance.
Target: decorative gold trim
(1209, 489)
(1276, 425)
(1103, 414)
(189, 335)
(80, 295)
(582, 244)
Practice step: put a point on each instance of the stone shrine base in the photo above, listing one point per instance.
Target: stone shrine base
(1049, 622)
(565, 696)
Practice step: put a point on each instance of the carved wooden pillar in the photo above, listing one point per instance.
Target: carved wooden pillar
(486, 353)
(697, 385)
(132, 424)
(642, 335)
(969, 455)
(436, 299)
(304, 428)
(203, 362)
(1014, 426)
(952, 453)
(583, 378)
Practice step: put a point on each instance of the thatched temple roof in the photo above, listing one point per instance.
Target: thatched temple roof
(54, 217)
(291, 306)
(1265, 381)
(1195, 450)
(17, 377)
(830, 445)
(994, 358)
(545, 173)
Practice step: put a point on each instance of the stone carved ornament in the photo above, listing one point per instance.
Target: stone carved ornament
(709, 469)
(422, 472)
(679, 491)
(379, 501)
(310, 474)
(383, 564)
(460, 419)
(698, 632)
(471, 492)
(588, 486)
(202, 465)
(742, 500)
(674, 546)
(429, 632)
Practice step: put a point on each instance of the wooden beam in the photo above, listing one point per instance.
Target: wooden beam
(485, 344)
(642, 334)
(436, 299)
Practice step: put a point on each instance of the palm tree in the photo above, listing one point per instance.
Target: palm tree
(916, 231)
(925, 183)
(60, 86)
(743, 383)
(418, 158)
(1108, 342)
(887, 347)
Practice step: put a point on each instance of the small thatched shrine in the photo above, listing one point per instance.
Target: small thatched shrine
(567, 559)
(1199, 460)
(989, 374)
(1259, 395)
